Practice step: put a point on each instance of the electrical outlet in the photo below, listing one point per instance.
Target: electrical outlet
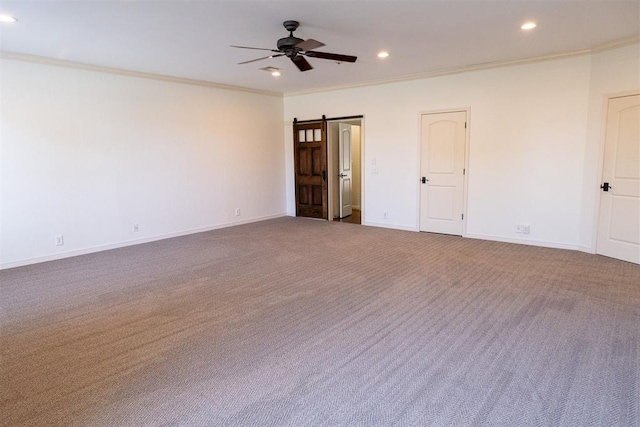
(59, 240)
(136, 228)
(526, 228)
(237, 211)
(518, 228)
(374, 170)
(385, 215)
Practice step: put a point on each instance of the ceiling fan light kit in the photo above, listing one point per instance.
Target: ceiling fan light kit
(273, 70)
(296, 49)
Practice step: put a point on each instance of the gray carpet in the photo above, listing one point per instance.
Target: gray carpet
(302, 323)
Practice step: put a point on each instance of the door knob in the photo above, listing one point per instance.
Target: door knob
(342, 175)
(424, 180)
(606, 187)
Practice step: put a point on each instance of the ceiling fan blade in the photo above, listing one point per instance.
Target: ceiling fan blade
(334, 56)
(260, 59)
(301, 63)
(309, 44)
(254, 48)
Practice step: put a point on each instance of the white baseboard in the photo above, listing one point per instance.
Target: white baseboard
(530, 242)
(587, 249)
(392, 226)
(85, 251)
(541, 243)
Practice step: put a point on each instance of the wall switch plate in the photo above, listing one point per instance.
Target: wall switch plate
(374, 169)
(237, 211)
(59, 240)
(526, 228)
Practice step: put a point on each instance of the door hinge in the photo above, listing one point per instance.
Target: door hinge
(465, 125)
(462, 216)
(464, 171)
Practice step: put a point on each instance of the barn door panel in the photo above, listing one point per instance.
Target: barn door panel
(310, 145)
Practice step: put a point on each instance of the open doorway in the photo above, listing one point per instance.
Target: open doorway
(344, 165)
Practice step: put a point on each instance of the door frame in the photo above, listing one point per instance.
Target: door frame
(600, 169)
(331, 171)
(329, 165)
(465, 184)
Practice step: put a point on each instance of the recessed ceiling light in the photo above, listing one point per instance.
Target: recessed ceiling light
(383, 54)
(273, 70)
(7, 18)
(528, 26)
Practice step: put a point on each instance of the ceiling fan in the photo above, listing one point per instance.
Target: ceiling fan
(296, 49)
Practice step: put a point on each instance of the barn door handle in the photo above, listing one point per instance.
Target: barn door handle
(606, 187)
(324, 175)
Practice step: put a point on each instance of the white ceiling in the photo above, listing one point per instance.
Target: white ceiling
(190, 39)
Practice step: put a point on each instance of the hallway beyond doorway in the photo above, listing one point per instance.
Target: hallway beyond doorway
(354, 218)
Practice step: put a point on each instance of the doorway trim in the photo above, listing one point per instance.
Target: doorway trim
(465, 184)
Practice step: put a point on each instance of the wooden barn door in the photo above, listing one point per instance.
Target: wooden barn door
(310, 145)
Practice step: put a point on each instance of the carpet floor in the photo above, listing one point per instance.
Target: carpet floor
(297, 322)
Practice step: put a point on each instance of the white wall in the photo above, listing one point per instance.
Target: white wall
(527, 146)
(613, 72)
(87, 154)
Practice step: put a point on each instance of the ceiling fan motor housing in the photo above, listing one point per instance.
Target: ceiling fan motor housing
(286, 44)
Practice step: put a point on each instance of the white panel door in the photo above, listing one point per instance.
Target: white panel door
(619, 224)
(345, 172)
(442, 154)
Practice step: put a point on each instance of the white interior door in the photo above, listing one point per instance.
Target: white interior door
(442, 154)
(619, 223)
(345, 172)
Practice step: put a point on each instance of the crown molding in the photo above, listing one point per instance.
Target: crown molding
(615, 44)
(418, 76)
(476, 67)
(121, 72)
